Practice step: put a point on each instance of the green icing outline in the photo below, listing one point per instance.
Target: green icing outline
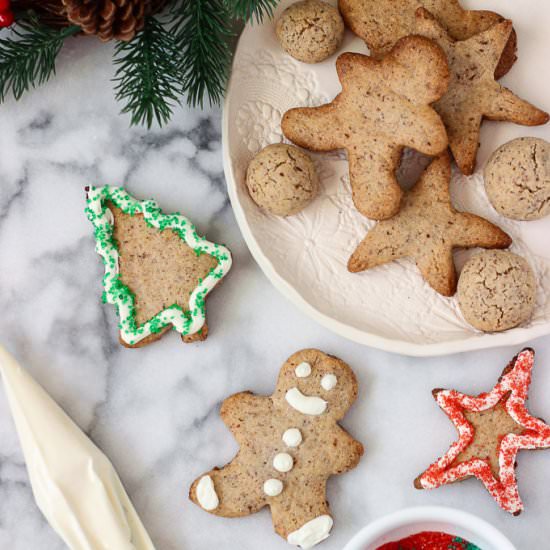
(117, 293)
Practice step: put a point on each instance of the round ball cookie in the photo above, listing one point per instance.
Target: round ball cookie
(517, 179)
(496, 290)
(310, 31)
(282, 179)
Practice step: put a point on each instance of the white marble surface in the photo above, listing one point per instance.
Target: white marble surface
(155, 411)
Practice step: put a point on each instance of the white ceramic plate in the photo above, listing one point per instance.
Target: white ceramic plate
(305, 256)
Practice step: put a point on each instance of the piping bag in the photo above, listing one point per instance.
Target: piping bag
(74, 484)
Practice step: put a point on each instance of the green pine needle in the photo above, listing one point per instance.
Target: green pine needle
(252, 9)
(202, 29)
(28, 59)
(147, 74)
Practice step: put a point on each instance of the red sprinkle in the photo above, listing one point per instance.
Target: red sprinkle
(429, 540)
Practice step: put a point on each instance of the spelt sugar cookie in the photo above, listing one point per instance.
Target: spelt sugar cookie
(158, 270)
(384, 107)
(517, 179)
(496, 291)
(282, 179)
(290, 444)
(381, 23)
(473, 93)
(310, 31)
(492, 427)
(427, 229)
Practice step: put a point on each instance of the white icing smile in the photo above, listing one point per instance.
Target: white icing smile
(303, 370)
(312, 533)
(305, 404)
(328, 382)
(206, 494)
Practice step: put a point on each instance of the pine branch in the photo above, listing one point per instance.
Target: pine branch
(147, 74)
(28, 60)
(247, 10)
(202, 29)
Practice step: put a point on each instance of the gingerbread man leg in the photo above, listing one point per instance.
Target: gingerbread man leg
(230, 491)
(290, 507)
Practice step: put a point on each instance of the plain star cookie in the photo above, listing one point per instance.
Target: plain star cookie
(290, 444)
(384, 107)
(381, 23)
(427, 229)
(158, 270)
(473, 93)
(492, 428)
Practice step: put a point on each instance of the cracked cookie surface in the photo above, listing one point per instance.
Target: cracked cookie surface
(496, 291)
(310, 31)
(282, 179)
(517, 179)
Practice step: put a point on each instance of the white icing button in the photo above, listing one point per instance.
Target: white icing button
(303, 370)
(206, 494)
(312, 533)
(273, 487)
(305, 404)
(283, 462)
(329, 381)
(292, 437)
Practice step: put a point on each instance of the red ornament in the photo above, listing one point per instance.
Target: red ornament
(536, 435)
(5, 6)
(6, 19)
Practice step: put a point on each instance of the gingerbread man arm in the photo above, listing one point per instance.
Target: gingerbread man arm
(241, 412)
(348, 451)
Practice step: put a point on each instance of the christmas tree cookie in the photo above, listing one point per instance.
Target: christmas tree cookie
(492, 428)
(158, 270)
(290, 444)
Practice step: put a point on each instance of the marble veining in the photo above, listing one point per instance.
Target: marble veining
(154, 411)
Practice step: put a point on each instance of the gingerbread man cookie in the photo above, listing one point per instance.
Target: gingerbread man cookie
(384, 107)
(380, 23)
(290, 444)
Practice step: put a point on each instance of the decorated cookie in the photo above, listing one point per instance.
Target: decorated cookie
(496, 290)
(282, 179)
(427, 229)
(158, 270)
(517, 179)
(310, 31)
(384, 107)
(290, 444)
(381, 23)
(492, 428)
(473, 93)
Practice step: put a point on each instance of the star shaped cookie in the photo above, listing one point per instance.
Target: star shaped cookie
(158, 270)
(381, 23)
(473, 93)
(492, 428)
(426, 229)
(384, 107)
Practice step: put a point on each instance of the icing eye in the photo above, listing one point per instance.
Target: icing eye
(328, 382)
(303, 370)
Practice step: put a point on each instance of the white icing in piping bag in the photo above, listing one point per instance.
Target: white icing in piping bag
(74, 484)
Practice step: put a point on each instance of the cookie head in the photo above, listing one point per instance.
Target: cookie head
(315, 384)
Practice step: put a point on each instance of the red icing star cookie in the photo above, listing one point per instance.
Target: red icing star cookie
(504, 407)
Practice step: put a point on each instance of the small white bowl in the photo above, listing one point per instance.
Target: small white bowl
(410, 521)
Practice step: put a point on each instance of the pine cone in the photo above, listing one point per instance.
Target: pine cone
(108, 19)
